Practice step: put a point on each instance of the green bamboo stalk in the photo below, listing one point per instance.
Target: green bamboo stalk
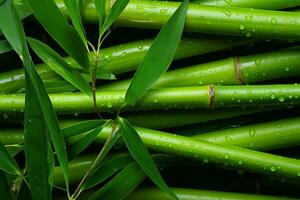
(188, 194)
(220, 155)
(121, 58)
(208, 19)
(230, 71)
(168, 98)
(257, 4)
(264, 137)
(203, 151)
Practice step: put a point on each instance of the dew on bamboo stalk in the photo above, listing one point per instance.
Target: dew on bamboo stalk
(273, 169)
(227, 13)
(242, 27)
(281, 99)
(273, 21)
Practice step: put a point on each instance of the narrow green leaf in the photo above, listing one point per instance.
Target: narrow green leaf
(104, 74)
(60, 66)
(108, 169)
(23, 8)
(77, 147)
(11, 26)
(101, 11)
(4, 47)
(122, 184)
(140, 153)
(48, 14)
(4, 187)
(24, 193)
(160, 55)
(110, 142)
(36, 146)
(14, 149)
(82, 127)
(7, 162)
(58, 86)
(73, 7)
(113, 14)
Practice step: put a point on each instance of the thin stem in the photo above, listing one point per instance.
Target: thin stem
(96, 162)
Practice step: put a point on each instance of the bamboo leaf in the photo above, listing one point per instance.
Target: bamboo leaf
(122, 184)
(160, 55)
(7, 162)
(108, 169)
(60, 66)
(140, 153)
(110, 142)
(36, 145)
(73, 7)
(23, 8)
(14, 149)
(11, 26)
(24, 193)
(101, 11)
(77, 147)
(48, 14)
(4, 47)
(4, 187)
(104, 74)
(113, 14)
(82, 127)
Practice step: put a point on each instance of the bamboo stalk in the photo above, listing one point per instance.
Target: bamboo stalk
(188, 194)
(168, 98)
(278, 134)
(264, 137)
(220, 155)
(230, 71)
(257, 4)
(208, 152)
(120, 59)
(208, 19)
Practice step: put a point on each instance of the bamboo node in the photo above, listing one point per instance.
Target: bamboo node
(238, 69)
(211, 94)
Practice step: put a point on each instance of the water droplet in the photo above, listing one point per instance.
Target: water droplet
(298, 174)
(274, 21)
(228, 1)
(227, 13)
(155, 100)
(228, 138)
(273, 169)
(200, 83)
(205, 160)
(76, 114)
(226, 156)
(109, 105)
(240, 162)
(252, 133)
(163, 11)
(272, 96)
(242, 27)
(248, 18)
(4, 115)
(248, 34)
(281, 99)
(287, 69)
